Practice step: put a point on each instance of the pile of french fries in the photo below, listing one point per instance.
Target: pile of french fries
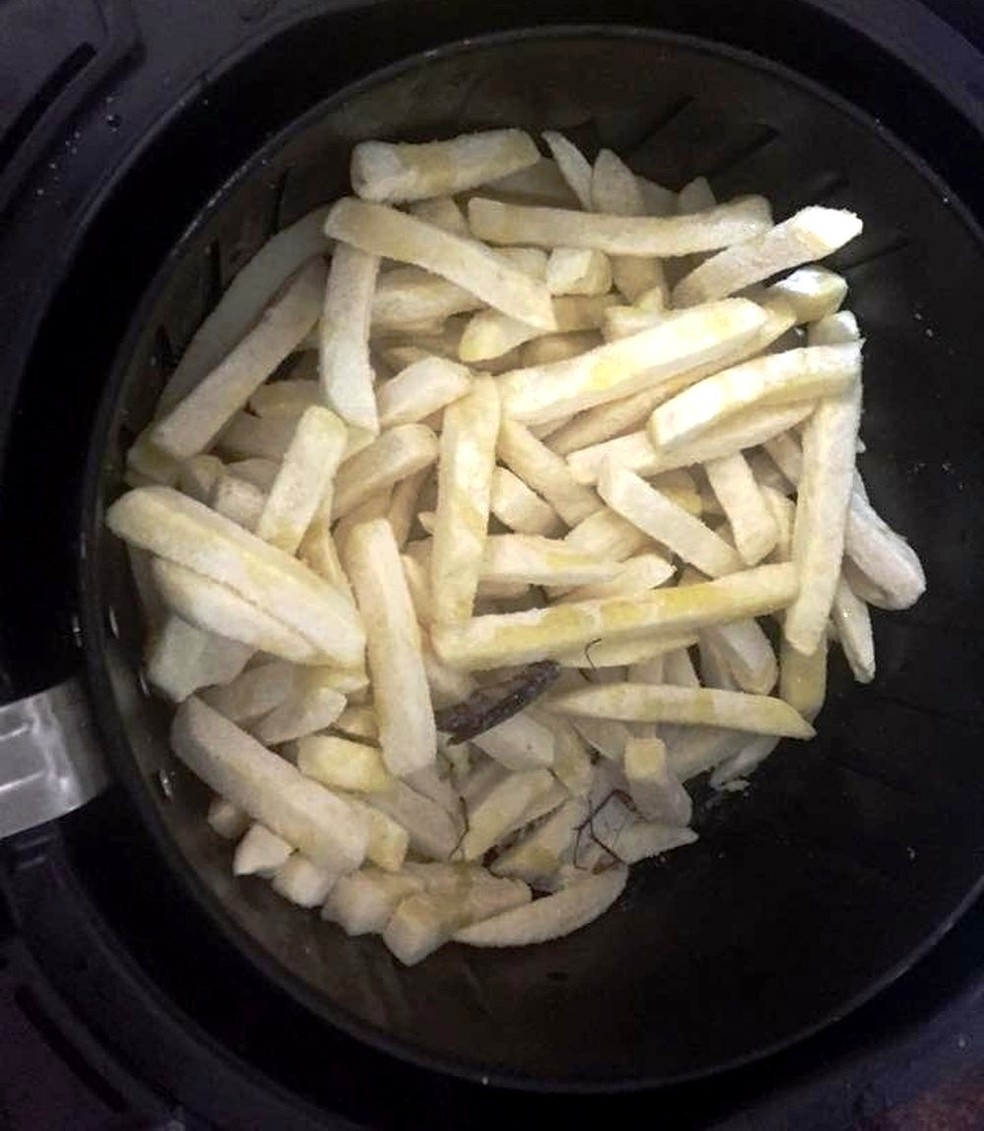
(500, 409)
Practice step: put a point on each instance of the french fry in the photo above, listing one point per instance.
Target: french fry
(692, 751)
(397, 173)
(398, 452)
(417, 577)
(180, 530)
(516, 638)
(574, 167)
(659, 517)
(238, 500)
(409, 296)
(363, 902)
(442, 212)
(551, 917)
(302, 882)
(236, 766)
(429, 783)
(853, 623)
(637, 575)
(578, 271)
(422, 922)
(215, 608)
(433, 834)
(519, 508)
(195, 421)
(614, 187)
(492, 335)
(253, 437)
(715, 333)
(813, 292)
(624, 321)
(678, 668)
(285, 398)
(719, 227)
(544, 472)
(226, 820)
(884, 557)
(260, 472)
(403, 504)
(557, 347)
(495, 813)
(655, 791)
(421, 389)
(377, 505)
(260, 853)
(811, 234)
(519, 743)
(778, 379)
(340, 763)
(783, 512)
(401, 696)
(533, 560)
(467, 459)
(182, 659)
(643, 703)
(803, 677)
(753, 526)
(252, 694)
(539, 855)
(379, 230)
(542, 183)
(620, 653)
(307, 471)
(746, 649)
(197, 476)
(346, 371)
(304, 711)
(359, 723)
(821, 514)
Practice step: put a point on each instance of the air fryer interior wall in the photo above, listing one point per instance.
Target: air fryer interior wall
(849, 854)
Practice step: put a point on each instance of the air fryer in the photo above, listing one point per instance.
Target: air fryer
(850, 856)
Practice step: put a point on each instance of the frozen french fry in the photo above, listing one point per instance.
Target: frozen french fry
(194, 422)
(346, 371)
(624, 321)
(464, 485)
(253, 693)
(409, 296)
(636, 575)
(852, 620)
(549, 348)
(620, 653)
(777, 379)
(521, 509)
(542, 183)
(404, 504)
(491, 335)
(678, 668)
(496, 811)
(359, 723)
(398, 453)
(656, 792)
(573, 165)
(182, 658)
(551, 917)
(533, 560)
(389, 841)
(433, 833)
(811, 234)
(753, 526)
(285, 398)
(442, 212)
(305, 476)
(606, 533)
(238, 500)
(402, 700)
(197, 476)
(302, 882)
(660, 518)
(538, 856)
(544, 472)
(260, 472)
(227, 820)
(813, 292)
(379, 230)
(340, 763)
(260, 853)
(236, 766)
(511, 638)
(248, 437)
(745, 648)
(216, 608)
(400, 172)
(698, 706)
(714, 333)
(578, 271)
(803, 677)
(304, 711)
(727, 224)
(520, 743)
(883, 556)
(421, 389)
(363, 902)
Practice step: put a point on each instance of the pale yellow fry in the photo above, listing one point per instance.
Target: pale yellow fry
(557, 347)
(834, 330)
(692, 751)
(803, 678)
(467, 459)
(656, 791)
(442, 212)
(534, 560)
(519, 743)
(346, 372)
(226, 820)
(624, 321)
(783, 512)
(300, 881)
(813, 292)
(746, 650)
(715, 333)
(811, 234)
(578, 271)
(417, 577)
(229, 761)
(398, 453)
(400, 172)
(305, 711)
(782, 378)
(491, 334)
(852, 620)
(665, 521)
(497, 810)
(620, 235)
(254, 693)
(573, 165)
(192, 425)
(260, 472)
(248, 437)
(304, 477)
(285, 398)
(420, 389)
(409, 296)
(606, 533)
(540, 853)
(400, 693)
(752, 525)
(403, 504)
(829, 442)
(552, 917)
(340, 763)
(516, 638)
(690, 706)
(624, 653)
(182, 658)
(519, 508)
(237, 500)
(544, 472)
(198, 476)
(379, 230)
(433, 833)
(614, 187)
(635, 575)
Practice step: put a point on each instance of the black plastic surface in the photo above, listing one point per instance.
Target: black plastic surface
(848, 856)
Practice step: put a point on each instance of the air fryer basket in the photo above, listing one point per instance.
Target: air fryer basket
(849, 855)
